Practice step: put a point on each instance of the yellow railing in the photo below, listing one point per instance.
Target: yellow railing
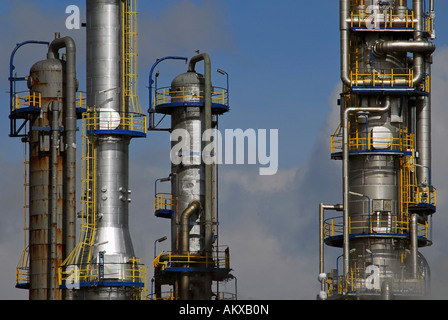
(377, 79)
(169, 295)
(355, 282)
(130, 53)
(166, 95)
(163, 201)
(31, 99)
(385, 20)
(395, 225)
(219, 259)
(81, 101)
(412, 193)
(81, 254)
(91, 274)
(113, 120)
(403, 143)
(23, 269)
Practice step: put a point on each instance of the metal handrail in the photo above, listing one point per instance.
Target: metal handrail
(219, 259)
(334, 226)
(115, 120)
(387, 19)
(31, 99)
(166, 95)
(163, 201)
(404, 142)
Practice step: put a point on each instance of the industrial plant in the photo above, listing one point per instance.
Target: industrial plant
(100, 262)
(384, 142)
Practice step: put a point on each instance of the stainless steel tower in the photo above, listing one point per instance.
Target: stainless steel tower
(103, 265)
(195, 260)
(384, 142)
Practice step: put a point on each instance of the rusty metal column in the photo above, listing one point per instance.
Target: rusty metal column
(47, 78)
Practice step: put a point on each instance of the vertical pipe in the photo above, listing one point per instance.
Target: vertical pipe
(54, 146)
(344, 26)
(414, 244)
(70, 138)
(322, 208)
(321, 238)
(208, 167)
(419, 66)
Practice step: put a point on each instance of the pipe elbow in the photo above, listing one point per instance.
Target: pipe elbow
(197, 58)
(193, 207)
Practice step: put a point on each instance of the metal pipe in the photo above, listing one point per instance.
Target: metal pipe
(386, 290)
(419, 48)
(345, 170)
(12, 79)
(423, 140)
(208, 125)
(70, 137)
(150, 87)
(423, 135)
(344, 27)
(382, 46)
(322, 208)
(54, 146)
(414, 244)
(417, 6)
(193, 207)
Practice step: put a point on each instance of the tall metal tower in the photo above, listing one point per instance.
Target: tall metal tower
(45, 117)
(384, 142)
(103, 264)
(196, 259)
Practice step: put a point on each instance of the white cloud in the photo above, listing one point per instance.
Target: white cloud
(254, 183)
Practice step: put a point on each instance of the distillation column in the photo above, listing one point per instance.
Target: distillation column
(192, 237)
(384, 144)
(104, 262)
(51, 112)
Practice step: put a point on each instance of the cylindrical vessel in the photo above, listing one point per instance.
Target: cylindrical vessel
(47, 78)
(188, 182)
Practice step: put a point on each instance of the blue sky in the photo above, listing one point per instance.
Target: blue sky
(282, 58)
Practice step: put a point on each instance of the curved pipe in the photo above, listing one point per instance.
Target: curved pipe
(152, 71)
(193, 207)
(419, 48)
(13, 79)
(70, 135)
